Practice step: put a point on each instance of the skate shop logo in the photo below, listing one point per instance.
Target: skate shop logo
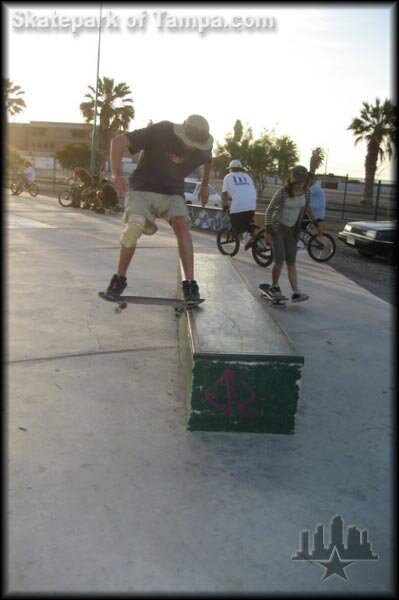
(340, 553)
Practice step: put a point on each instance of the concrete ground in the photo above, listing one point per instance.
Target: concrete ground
(108, 491)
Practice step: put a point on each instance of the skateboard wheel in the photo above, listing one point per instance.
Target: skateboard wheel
(279, 304)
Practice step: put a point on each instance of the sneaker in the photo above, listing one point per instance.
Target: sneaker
(275, 289)
(299, 297)
(191, 291)
(117, 285)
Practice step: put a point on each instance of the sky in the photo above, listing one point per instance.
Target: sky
(305, 74)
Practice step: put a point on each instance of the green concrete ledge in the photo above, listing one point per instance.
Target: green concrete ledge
(241, 370)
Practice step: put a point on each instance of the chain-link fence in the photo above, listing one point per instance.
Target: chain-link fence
(357, 198)
(47, 180)
(347, 198)
(54, 180)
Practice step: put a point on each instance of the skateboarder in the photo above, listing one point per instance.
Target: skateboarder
(169, 152)
(283, 218)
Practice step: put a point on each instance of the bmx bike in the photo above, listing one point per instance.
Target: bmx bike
(20, 184)
(228, 242)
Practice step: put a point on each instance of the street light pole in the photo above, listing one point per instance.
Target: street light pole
(93, 161)
(325, 168)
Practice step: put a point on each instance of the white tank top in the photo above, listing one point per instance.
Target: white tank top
(291, 210)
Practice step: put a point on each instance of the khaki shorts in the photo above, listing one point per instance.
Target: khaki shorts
(284, 244)
(151, 206)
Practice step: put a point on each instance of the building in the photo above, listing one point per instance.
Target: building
(42, 138)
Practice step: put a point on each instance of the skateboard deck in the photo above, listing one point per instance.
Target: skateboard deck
(277, 301)
(179, 305)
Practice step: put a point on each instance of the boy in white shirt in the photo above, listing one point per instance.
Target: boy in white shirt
(239, 187)
(29, 172)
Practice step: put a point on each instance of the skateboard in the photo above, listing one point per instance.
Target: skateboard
(277, 301)
(179, 305)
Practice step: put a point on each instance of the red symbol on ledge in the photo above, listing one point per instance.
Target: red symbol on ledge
(227, 381)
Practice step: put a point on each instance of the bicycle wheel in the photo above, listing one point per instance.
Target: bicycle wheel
(16, 188)
(322, 248)
(261, 251)
(65, 198)
(33, 189)
(228, 244)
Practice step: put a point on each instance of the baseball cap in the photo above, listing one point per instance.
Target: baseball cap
(194, 132)
(235, 164)
(298, 174)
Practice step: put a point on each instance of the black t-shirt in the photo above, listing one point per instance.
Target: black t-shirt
(85, 177)
(110, 195)
(164, 162)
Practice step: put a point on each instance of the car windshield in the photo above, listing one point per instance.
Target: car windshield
(189, 186)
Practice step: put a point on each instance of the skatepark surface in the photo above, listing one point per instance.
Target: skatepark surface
(107, 490)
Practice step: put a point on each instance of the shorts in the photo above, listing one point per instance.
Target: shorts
(151, 205)
(243, 221)
(284, 244)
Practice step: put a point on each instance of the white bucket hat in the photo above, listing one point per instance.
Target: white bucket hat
(195, 132)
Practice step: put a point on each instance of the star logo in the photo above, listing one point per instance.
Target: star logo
(334, 565)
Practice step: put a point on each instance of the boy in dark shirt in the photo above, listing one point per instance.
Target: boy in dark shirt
(169, 152)
(88, 188)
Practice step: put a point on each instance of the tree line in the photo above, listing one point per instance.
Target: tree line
(263, 156)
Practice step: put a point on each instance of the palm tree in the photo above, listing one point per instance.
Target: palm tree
(377, 126)
(13, 104)
(114, 111)
(238, 131)
(316, 159)
(232, 148)
(286, 155)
